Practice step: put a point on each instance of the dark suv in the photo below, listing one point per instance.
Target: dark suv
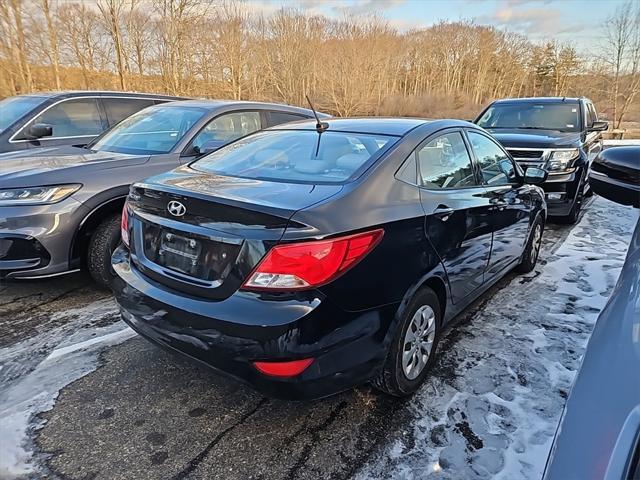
(559, 134)
(66, 118)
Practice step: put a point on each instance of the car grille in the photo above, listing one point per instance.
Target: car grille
(526, 154)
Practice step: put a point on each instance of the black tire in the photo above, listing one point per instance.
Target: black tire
(392, 379)
(104, 241)
(530, 254)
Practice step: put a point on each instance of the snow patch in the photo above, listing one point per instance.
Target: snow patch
(492, 404)
(33, 372)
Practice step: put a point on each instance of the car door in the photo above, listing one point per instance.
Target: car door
(457, 210)
(74, 122)
(222, 130)
(509, 197)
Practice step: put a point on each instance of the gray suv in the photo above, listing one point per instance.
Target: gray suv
(51, 119)
(60, 207)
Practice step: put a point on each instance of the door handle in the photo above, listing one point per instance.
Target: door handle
(443, 212)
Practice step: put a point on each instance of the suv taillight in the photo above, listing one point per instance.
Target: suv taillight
(304, 265)
(124, 225)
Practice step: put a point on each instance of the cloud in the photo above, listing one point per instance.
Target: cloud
(366, 7)
(535, 21)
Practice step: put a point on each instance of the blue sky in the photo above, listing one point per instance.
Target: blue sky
(575, 21)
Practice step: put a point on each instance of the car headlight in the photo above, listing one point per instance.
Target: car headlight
(561, 159)
(36, 195)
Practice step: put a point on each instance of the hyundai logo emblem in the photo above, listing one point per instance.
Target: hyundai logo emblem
(176, 209)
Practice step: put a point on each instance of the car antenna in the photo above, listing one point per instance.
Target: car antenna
(320, 126)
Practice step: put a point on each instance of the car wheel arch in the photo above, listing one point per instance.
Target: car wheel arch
(91, 220)
(437, 282)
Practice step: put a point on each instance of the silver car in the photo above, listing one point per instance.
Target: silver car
(60, 207)
(599, 435)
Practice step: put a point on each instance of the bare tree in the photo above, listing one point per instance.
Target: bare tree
(112, 12)
(621, 52)
(20, 45)
(54, 47)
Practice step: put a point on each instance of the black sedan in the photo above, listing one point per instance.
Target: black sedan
(312, 257)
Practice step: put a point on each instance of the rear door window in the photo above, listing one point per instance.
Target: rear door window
(495, 165)
(227, 128)
(118, 109)
(72, 118)
(276, 118)
(444, 162)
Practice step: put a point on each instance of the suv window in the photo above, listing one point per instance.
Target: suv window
(444, 162)
(118, 109)
(276, 118)
(495, 165)
(72, 118)
(226, 128)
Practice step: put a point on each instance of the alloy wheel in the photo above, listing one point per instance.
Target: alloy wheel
(536, 242)
(418, 342)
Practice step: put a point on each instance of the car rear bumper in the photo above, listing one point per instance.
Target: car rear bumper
(348, 348)
(36, 240)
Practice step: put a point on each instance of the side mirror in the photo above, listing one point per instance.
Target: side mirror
(535, 176)
(615, 175)
(39, 130)
(598, 126)
(209, 146)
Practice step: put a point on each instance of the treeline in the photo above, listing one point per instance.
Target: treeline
(350, 66)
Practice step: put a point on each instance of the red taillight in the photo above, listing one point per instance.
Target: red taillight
(124, 225)
(283, 369)
(296, 266)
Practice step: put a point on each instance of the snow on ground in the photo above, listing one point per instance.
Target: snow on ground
(32, 373)
(493, 402)
(619, 143)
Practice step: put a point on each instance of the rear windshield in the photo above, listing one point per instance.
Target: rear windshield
(536, 116)
(13, 108)
(296, 155)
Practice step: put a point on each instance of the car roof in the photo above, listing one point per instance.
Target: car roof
(372, 125)
(100, 93)
(241, 105)
(541, 100)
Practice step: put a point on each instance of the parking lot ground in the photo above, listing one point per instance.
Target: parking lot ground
(81, 397)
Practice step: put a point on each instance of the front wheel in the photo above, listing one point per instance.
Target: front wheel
(413, 349)
(532, 248)
(104, 241)
(574, 213)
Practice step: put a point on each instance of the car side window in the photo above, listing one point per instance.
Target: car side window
(444, 162)
(72, 118)
(495, 165)
(276, 118)
(226, 128)
(592, 116)
(118, 109)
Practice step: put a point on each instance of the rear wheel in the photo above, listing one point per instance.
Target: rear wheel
(104, 241)
(413, 349)
(532, 248)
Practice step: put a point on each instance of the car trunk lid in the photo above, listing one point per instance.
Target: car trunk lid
(203, 234)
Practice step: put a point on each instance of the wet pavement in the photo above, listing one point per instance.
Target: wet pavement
(131, 410)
